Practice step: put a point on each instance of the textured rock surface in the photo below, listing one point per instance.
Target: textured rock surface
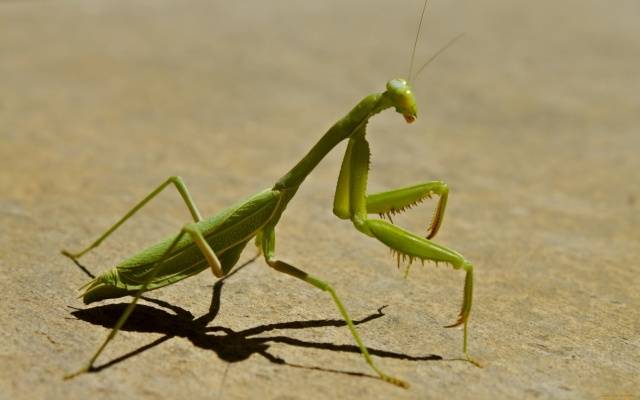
(532, 119)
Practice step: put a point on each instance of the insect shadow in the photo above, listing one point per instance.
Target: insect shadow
(229, 345)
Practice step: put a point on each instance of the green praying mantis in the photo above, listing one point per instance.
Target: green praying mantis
(217, 242)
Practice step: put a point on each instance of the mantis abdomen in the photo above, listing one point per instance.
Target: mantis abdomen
(226, 232)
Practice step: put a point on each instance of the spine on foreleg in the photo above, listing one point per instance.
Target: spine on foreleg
(411, 245)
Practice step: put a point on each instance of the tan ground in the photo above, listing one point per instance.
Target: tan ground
(532, 119)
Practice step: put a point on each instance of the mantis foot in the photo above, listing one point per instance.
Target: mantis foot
(473, 360)
(394, 381)
(87, 369)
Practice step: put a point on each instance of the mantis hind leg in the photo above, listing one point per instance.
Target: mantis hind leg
(184, 193)
(268, 246)
(196, 235)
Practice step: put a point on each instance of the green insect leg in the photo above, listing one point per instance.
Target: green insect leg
(182, 189)
(396, 201)
(352, 180)
(268, 245)
(353, 202)
(190, 229)
(413, 246)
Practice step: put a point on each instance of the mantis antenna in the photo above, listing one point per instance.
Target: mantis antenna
(442, 49)
(415, 43)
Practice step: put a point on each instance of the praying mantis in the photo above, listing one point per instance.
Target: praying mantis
(217, 242)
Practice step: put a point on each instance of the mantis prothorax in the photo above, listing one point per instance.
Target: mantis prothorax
(216, 242)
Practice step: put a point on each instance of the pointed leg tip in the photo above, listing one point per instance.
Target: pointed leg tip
(395, 381)
(77, 373)
(455, 324)
(474, 361)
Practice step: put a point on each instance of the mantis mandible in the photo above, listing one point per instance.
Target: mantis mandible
(217, 242)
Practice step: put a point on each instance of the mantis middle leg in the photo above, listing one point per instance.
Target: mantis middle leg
(352, 202)
(268, 247)
(182, 189)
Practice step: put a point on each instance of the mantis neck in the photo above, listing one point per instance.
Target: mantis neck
(355, 120)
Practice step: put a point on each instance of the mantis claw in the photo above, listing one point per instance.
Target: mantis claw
(459, 322)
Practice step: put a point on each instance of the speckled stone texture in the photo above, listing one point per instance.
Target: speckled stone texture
(532, 118)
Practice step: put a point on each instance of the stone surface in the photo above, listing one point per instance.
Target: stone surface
(532, 119)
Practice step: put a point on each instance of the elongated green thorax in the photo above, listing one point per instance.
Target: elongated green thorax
(397, 95)
(343, 129)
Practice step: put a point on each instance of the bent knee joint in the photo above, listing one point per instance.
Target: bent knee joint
(191, 228)
(443, 189)
(362, 224)
(341, 213)
(324, 286)
(467, 267)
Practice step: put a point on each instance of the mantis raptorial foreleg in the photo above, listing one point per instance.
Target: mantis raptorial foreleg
(182, 189)
(398, 200)
(352, 201)
(389, 202)
(190, 229)
(407, 243)
(268, 246)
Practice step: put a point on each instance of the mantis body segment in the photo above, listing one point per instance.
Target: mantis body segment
(217, 242)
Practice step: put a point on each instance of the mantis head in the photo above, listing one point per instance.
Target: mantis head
(401, 97)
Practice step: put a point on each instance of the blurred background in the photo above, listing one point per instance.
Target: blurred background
(531, 118)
